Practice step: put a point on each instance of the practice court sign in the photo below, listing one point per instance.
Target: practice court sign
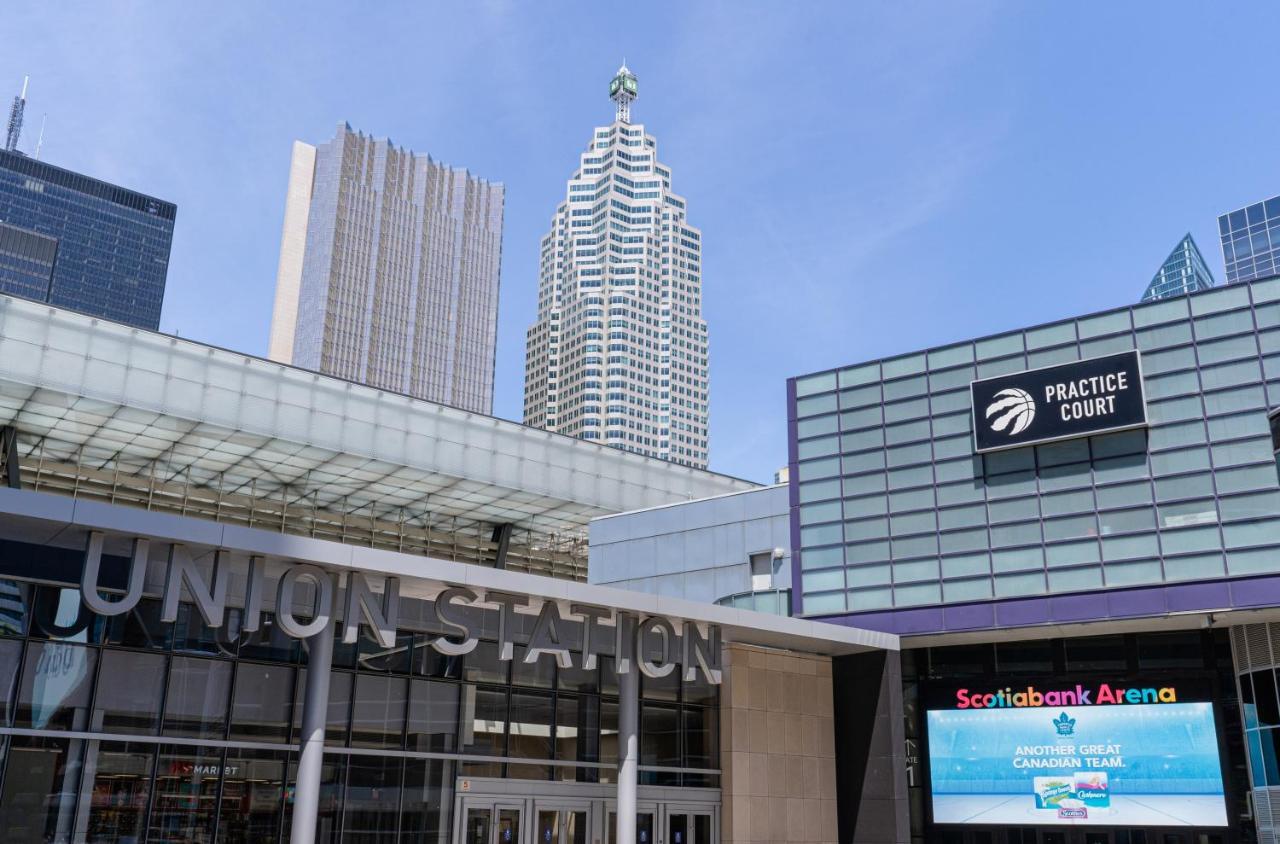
(1078, 399)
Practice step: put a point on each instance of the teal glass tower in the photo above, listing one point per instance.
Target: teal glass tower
(1184, 271)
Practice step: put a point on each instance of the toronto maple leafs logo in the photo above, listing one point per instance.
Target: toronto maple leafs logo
(1012, 409)
(1065, 725)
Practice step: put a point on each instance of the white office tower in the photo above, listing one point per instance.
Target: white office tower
(388, 271)
(619, 351)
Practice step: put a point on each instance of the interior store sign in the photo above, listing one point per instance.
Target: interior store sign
(628, 631)
(1077, 399)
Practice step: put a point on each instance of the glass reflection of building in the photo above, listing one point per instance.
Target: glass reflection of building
(128, 729)
(1251, 241)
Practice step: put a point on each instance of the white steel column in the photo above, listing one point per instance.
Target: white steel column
(628, 752)
(315, 710)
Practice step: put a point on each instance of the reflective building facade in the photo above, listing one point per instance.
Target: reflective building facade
(1184, 271)
(894, 509)
(1251, 241)
(112, 243)
(389, 269)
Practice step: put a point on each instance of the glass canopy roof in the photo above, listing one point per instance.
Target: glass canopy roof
(107, 411)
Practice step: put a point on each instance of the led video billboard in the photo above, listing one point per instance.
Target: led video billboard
(1015, 758)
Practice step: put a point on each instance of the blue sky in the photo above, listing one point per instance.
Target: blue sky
(870, 178)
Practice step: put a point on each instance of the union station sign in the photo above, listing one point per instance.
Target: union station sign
(633, 636)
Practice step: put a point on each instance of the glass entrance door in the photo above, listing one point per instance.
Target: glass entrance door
(644, 828)
(560, 825)
(478, 825)
(688, 828)
(490, 823)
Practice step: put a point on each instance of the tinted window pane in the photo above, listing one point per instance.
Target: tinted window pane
(56, 679)
(1096, 653)
(531, 719)
(196, 703)
(372, 806)
(484, 721)
(433, 716)
(262, 701)
(659, 735)
(129, 691)
(377, 715)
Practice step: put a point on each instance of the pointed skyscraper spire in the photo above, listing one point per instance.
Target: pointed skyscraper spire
(1184, 271)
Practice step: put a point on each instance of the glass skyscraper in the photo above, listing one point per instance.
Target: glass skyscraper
(1184, 271)
(112, 244)
(1251, 241)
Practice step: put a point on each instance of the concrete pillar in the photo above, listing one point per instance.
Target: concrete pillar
(315, 710)
(628, 752)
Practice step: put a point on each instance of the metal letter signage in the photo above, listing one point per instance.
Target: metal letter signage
(1070, 400)
(648, 644)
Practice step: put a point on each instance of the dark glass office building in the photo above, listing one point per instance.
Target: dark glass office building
(1251, 241)
(112, 244)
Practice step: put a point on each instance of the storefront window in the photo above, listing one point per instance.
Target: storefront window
(252, 795)
(328, 818)
(41, 779)
(372, 804)
(185, 805)
(120, 791)
(426, 801)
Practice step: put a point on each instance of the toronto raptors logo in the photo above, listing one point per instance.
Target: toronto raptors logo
(1012, 411)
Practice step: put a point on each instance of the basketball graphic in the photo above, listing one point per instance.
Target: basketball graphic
(1013, 409)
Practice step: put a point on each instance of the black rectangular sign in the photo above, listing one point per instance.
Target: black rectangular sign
(1076, 399)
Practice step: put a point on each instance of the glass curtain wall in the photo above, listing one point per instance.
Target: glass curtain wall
(126, 729)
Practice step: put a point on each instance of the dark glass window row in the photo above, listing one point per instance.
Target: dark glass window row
(86, 185)
(135, 792)
(1147, 653)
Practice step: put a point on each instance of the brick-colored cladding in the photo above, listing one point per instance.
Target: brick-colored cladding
(777, 748)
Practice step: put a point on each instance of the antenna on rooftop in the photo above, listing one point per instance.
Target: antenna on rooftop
(44, 118)
(15, 118)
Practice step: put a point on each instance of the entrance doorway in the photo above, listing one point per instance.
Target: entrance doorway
(507, 811)
(491, 822)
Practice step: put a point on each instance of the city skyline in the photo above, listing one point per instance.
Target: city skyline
(918, 160)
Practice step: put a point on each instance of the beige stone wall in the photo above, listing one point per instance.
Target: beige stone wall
(777, 748)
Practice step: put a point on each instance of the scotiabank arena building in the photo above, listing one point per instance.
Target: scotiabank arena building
(241, 602)
(1075, 530)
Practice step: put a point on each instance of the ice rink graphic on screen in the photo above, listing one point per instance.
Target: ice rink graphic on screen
(1145, 765)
